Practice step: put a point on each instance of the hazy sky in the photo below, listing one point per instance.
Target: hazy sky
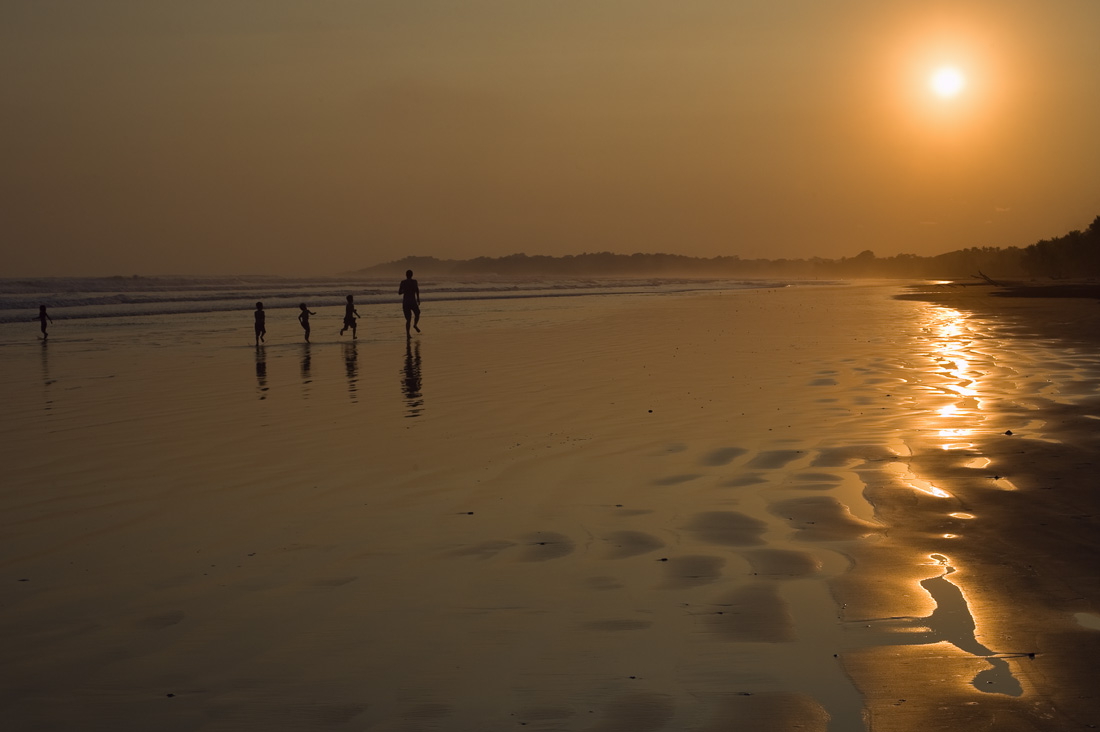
(313, 137)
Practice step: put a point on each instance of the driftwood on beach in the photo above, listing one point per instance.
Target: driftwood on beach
(983, 276)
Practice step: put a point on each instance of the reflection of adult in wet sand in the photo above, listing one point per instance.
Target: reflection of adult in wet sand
(43, 316)
(261, 323)
(350, 314)
(261, 371)
(303, 318)
(412, 383)
(410, 302)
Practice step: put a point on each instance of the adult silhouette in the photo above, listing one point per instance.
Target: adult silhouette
(410, 301)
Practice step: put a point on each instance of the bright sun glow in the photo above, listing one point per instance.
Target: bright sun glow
(947, 82)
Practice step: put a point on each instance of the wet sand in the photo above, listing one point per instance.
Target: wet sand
(1022, 480)
(749, 510)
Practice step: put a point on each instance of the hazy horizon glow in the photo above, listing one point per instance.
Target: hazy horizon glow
(285, 137)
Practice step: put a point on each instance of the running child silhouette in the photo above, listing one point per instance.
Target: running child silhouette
(43, 316)
(303, 318)
(350, 314)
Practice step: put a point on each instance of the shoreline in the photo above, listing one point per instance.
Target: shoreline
(1066, 310)
(1028, 538)
(764, 508)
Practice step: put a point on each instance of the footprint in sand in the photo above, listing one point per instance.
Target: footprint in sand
(615, 626)
(426, 711)
(842, 457)
(722, 456)
(542, 546)
(752, 613)
(691, 571)
(333, 582)
(782, 563)
(317, 715)
(159, 622)
(774, 459)
(603, 583)
(768, 712)
(822, 518)
(484, 550)
(643, 712)
(628, 512)
(817, 477)
(744, 480)
(729, 528)
(543, 714)
(677, 479)
(816, 481)
(625, 544)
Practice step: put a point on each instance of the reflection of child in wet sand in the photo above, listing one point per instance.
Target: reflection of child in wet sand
(350, 314)
(43, 316)
(303, 318)
(261, 327)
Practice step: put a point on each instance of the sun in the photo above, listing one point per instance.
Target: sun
(947, 82)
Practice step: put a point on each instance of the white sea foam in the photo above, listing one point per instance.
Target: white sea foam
(109, 297)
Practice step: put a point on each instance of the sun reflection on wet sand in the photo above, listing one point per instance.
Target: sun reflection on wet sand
(950, 622)
(977, 446)
(1004, 484)
(950, 404)
(906, 476)
(926, 487)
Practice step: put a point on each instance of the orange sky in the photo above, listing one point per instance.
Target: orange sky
(269, 136)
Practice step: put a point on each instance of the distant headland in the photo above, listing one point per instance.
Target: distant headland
(1076, 254)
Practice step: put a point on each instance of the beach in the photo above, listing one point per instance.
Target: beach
(818, 507)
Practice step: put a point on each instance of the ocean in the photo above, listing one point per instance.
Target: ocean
(113, 297)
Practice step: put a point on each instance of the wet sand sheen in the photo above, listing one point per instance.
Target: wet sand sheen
(530, 517)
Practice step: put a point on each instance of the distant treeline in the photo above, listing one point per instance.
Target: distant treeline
(1076, 254)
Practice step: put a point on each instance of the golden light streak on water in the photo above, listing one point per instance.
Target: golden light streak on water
(1004, 484)
(917, 484)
